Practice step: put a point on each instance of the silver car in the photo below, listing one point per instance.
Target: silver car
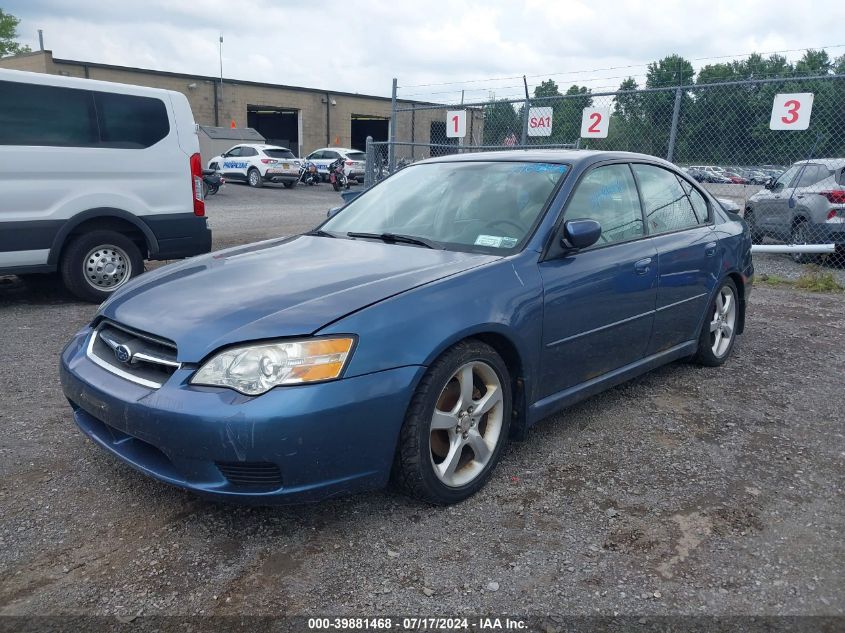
(804, 205)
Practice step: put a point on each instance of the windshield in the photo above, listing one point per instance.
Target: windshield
(279, 153)
(489, 206)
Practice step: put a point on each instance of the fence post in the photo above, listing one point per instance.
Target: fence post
(391, 153)
(673, 131)
(525, 114)
(370, 164)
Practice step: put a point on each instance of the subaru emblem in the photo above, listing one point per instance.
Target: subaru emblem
(123, 353)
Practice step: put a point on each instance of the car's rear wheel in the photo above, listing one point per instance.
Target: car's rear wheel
(718, 334)
(801, 235)
(456, 425)
(253, 177)
(95, 264)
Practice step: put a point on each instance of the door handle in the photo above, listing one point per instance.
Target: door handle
(710, 249)
(643, 266)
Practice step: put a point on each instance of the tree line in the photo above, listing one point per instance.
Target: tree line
(717, 124)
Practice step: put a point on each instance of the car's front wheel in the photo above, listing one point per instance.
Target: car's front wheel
(718, 334)
(754, 229)
(456, 425)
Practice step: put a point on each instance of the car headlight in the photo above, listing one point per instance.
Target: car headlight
(255, 369)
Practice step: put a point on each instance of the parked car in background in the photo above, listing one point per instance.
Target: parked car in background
(256, 164)
(455, 303)
(96, 177)
(354, 161)
(710, 174)
(805, 205)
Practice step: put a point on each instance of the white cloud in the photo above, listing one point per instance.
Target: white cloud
(360, 48)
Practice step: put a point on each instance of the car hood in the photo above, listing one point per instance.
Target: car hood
(287, 287)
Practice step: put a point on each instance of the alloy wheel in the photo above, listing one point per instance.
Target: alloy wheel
(723, 323)
(467, 424)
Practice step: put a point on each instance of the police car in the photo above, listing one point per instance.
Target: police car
(354, 161)
(257, 164)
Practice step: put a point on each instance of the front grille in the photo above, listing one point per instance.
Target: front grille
(136, 356)
(257, 475)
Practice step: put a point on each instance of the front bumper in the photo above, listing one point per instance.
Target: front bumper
(292, 444)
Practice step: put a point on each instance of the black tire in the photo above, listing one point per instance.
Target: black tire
(213, 189)
(72, 263)
(800, 235)
(204, 189)
(336, 185)
(289, 185)
(705, 354)
(253, 177)
(751, 221)
(413, 468)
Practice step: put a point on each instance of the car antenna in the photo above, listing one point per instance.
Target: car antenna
(803, 167)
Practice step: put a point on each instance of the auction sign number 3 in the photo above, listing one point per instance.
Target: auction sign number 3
(791, 111)
(595, 122)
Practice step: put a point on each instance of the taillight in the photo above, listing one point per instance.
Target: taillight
(836, 197)
(831, 214)
(196, 184)
(349, 162)
(268, 161)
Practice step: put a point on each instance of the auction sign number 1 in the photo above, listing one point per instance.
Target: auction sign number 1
(456, 123)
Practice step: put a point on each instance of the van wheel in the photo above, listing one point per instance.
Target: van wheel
(455, 426)
(254, 178)
(95, 264)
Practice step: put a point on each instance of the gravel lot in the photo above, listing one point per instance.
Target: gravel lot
(687, 491)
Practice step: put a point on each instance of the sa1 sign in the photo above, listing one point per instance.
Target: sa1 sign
(595, 122)
(540, 121)
(791, 111)
(456, 123)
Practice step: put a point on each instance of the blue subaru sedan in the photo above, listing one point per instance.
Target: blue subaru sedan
(438, 314)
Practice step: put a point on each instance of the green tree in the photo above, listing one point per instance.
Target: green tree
(566, 111)
(9, 34)
(500, 121)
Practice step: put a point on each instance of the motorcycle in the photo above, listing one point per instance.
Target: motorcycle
(337, 176)
(308, 173)
(211, 182)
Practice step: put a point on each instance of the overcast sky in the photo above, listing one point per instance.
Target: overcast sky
(359, 46)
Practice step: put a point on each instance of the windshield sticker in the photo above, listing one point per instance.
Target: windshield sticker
(509, 242)
(489, 240)
(540, 168)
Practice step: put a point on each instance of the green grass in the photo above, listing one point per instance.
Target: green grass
(812, 279)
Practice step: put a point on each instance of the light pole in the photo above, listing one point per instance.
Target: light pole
(221, 75)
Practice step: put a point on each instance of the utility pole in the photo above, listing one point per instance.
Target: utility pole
(221, 74)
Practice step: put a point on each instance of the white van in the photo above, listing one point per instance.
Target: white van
(95, 177)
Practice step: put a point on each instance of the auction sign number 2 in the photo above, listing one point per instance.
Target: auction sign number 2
(595, 122)
(456, 123)
(791, 111)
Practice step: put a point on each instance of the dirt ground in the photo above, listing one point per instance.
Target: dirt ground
(687, 491)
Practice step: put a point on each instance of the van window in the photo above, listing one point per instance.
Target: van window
(32, 114)
(130, 121)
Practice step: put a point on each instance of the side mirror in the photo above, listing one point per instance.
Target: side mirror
(333, 211)
(770, 184)
(578, 234)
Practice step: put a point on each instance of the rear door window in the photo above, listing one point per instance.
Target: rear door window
(130, 121)
(665, 203)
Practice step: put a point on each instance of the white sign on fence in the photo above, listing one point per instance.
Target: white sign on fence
(456, 123)
(791, 111)
(540, 121)
(595, 122)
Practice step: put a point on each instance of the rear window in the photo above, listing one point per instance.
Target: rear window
(279, 153)
(32, 114)
(356, 156)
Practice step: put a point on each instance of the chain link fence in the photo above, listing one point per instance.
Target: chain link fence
(775, 148)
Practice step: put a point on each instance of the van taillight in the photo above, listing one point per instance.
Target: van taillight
(196, 184)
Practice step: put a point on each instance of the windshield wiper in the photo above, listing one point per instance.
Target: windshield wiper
(320, 233)
(397, 237)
